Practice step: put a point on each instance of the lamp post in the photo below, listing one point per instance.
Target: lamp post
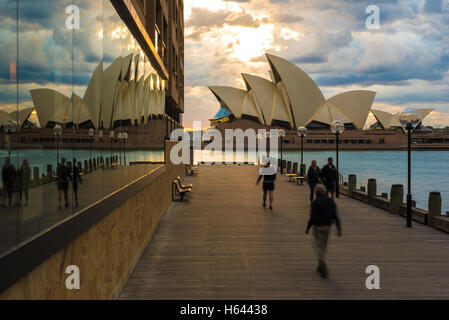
(409, 119)
(10, 127)
(91, 140)
(302, 132)
(120, 137)
(125, 137)
(267, 140)
(111, 136)
(100, 138)
(337, 127)
(57, 130)
(259, 139)
(282, 134)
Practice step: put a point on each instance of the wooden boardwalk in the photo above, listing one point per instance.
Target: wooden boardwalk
(222, 244)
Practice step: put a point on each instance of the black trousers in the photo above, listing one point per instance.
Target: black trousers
(312, 190)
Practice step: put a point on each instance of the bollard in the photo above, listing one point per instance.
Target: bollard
(372, 190)
(90, 165)
(302, 171)
(295, 167)
(413, 203)
(86, 166)
(289, 167)
(384, 195)
(434, 207)
(396, 198)
(352, 183)
(95, 163)
(279, 163)
(49, 172)
(284, 165)
(107, 162)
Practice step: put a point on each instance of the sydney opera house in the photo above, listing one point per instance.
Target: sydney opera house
(114, 97)
(291, 99)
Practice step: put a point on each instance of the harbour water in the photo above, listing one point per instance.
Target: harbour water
(430, 169)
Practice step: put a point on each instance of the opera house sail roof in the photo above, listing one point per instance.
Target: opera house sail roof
(121, 92)
(293, 98)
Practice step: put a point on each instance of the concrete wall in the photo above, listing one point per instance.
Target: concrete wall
(108, 252)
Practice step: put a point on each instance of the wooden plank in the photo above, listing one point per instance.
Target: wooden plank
(222, 244)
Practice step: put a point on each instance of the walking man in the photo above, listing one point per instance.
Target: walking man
(323, 213)
(329, 176)
(24, 181)
(63, 182)
(313, 178)
(8, 177)
(269, 176)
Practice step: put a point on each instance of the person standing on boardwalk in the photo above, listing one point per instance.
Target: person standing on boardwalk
(75, 178)
(313, 178)
(24, 181)
(329, 176)
(8, 177)
(269, 177)
(322, 215)
(63, 182)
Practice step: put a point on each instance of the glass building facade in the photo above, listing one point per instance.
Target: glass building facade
(75, 88)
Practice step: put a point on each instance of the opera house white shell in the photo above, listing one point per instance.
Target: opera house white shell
(292, 97)
(391, 121)
(114, 95)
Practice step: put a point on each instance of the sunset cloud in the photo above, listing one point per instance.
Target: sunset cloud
(406, 61)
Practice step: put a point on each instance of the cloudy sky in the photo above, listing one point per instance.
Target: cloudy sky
(406, 60)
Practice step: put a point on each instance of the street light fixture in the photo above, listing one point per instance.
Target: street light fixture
(120, 137)
(337, 128)
(91, 140)
(302, 132)
(100, 138)
(282, 134)
(57, 130)
(10, 127)
(409, 119)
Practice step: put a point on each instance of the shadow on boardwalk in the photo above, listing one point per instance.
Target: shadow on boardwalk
(222, 244)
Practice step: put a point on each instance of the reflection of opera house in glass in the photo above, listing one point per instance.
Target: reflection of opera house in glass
(292, 99)
(113, 97)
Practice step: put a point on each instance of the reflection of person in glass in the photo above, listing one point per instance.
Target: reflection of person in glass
(75, 178)
(8, 177)
(24, 181)
(63, 182)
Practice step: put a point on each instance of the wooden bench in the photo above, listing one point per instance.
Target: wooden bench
(114, 165)
(191, 170)
(180, 190)
(182, 185)
(299, 178)
(291, 176)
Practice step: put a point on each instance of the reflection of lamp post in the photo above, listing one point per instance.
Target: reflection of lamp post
(337, 127)
(91, 140)
(120, 137)
(10, 127)
(57, 130)
(302, 132)
(111, 136)
(100, 138)
(409, 119)
(282, 134)
(267, 140)
(125, 137)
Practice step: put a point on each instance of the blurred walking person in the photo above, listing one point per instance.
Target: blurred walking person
(24, 181)
(322, 215)
(313, 178)
(75, 178)
(330, 178)
(269, 177)
(63, 182)
(8, 177)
